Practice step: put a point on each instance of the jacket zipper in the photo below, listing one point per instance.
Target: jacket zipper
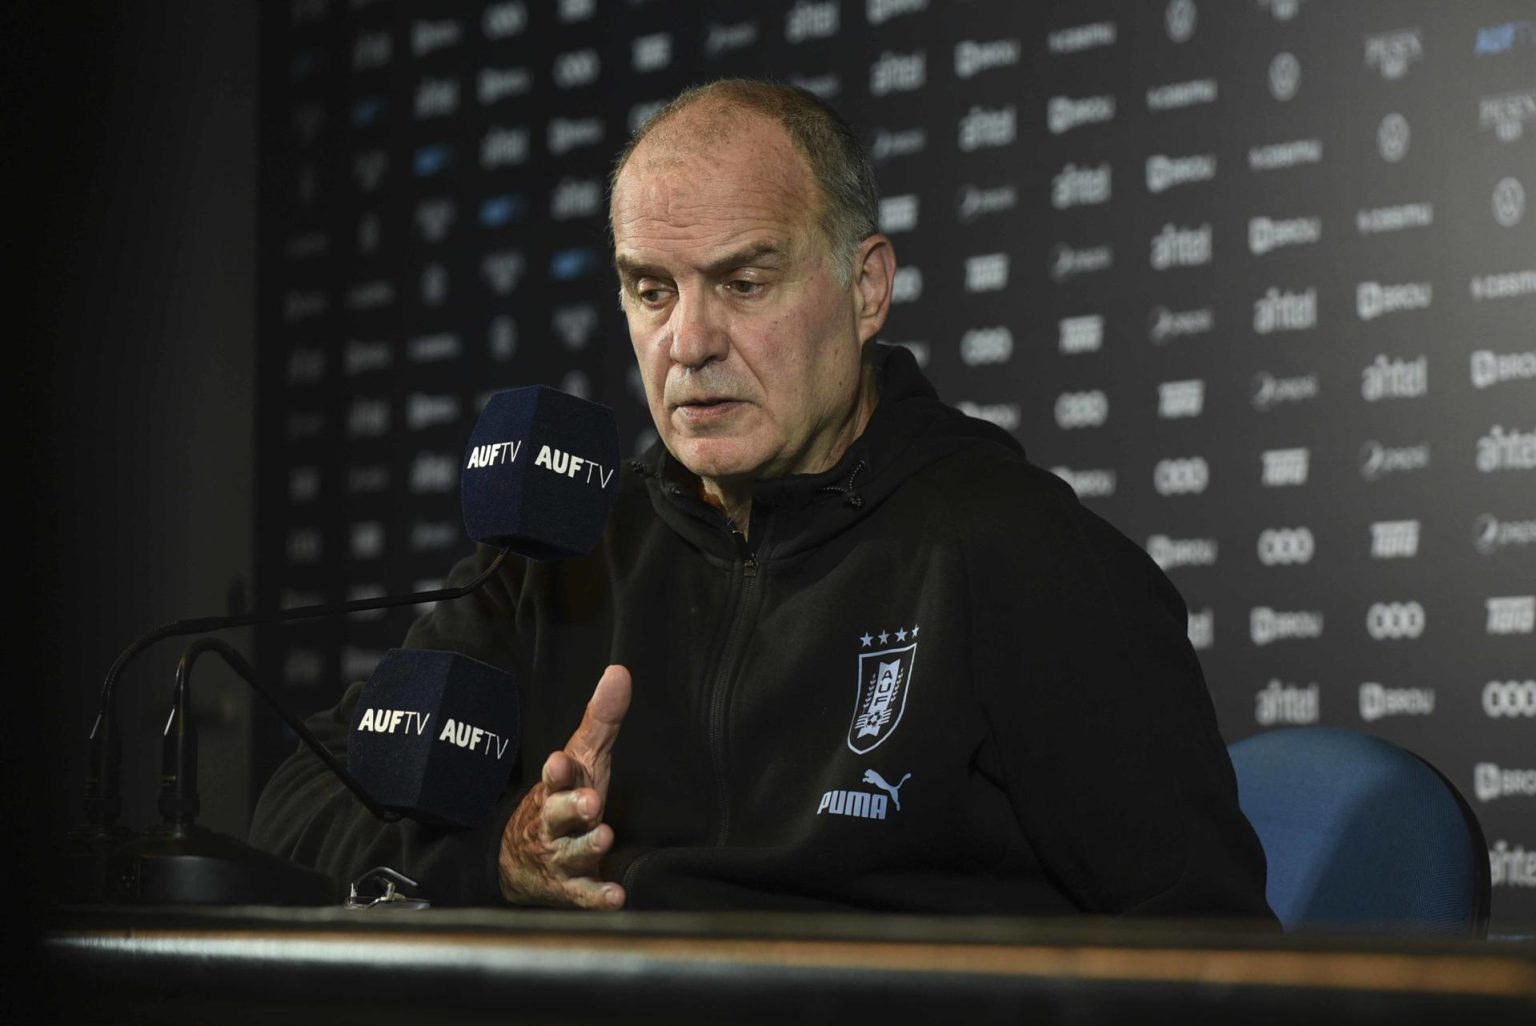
(725, 670)
(725, 673)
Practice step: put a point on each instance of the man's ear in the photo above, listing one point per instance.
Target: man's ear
(874, 272)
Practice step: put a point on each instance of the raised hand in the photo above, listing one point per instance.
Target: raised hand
(555, 839)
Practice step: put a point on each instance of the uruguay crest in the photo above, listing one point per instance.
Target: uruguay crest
(880, 695)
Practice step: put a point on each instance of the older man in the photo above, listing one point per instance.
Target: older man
(861, 653)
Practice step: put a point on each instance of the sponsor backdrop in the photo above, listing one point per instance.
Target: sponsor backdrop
(1257, 278)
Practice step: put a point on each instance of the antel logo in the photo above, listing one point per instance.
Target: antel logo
(1509, 699)
(1286, 703)
(808, 20)
(1081, 186)
(1394, 379)
(1392, 621)
(1181, 247)
(898, 73)
(983, 128)
(1185, 476)
(1506, 450)
(1286, 546)
(1285, 311)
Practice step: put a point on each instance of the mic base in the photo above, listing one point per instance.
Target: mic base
(188, 865)
(80, 870)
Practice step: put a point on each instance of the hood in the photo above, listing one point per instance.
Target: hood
(909, 429)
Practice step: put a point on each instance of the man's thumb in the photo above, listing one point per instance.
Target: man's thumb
(605, 713)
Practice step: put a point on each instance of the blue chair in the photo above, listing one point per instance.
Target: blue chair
(1361, 834)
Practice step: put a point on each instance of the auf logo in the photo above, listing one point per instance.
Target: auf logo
(871, 777)
(499, 210)
(1503, 38)
(572, 263)
(368, 111)
(432, 159)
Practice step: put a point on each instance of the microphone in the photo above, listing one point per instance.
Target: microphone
(539, 473)
(566, 448)
(434, 735)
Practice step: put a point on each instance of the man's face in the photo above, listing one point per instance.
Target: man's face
(748, 345)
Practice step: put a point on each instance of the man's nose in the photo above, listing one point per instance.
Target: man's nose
(698, 335)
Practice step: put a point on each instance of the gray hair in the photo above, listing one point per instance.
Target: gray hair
(841, 168)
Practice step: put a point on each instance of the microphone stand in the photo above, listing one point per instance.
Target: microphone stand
(86, 846)
(179, 862)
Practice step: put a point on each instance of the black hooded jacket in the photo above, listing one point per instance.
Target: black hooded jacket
(933, 682)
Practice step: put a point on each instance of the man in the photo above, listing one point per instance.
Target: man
(861, 653)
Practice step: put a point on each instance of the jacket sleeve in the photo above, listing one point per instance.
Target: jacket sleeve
(1103, 732)
(306, 815)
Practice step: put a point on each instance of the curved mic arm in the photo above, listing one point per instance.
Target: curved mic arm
(102, 799)
(238, 663)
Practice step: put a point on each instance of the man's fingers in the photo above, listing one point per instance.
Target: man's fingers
(593, 740)
(585, 892)
(571, 812)
(560, 772)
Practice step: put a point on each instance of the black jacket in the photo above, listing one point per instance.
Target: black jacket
(933, 682)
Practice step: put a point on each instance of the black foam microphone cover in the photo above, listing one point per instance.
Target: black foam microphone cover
(540, 473)
(435, 735)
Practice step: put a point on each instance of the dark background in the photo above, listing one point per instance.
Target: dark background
(157, 148)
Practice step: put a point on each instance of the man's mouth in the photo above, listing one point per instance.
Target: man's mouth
(706, 408)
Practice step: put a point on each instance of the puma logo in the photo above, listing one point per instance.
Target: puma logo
(871, 777)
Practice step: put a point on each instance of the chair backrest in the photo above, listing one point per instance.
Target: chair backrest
(1360, 833)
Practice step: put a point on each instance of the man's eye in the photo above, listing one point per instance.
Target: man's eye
(650, 296)
(742, 287)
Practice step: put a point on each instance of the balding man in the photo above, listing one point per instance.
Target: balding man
(853, 650)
